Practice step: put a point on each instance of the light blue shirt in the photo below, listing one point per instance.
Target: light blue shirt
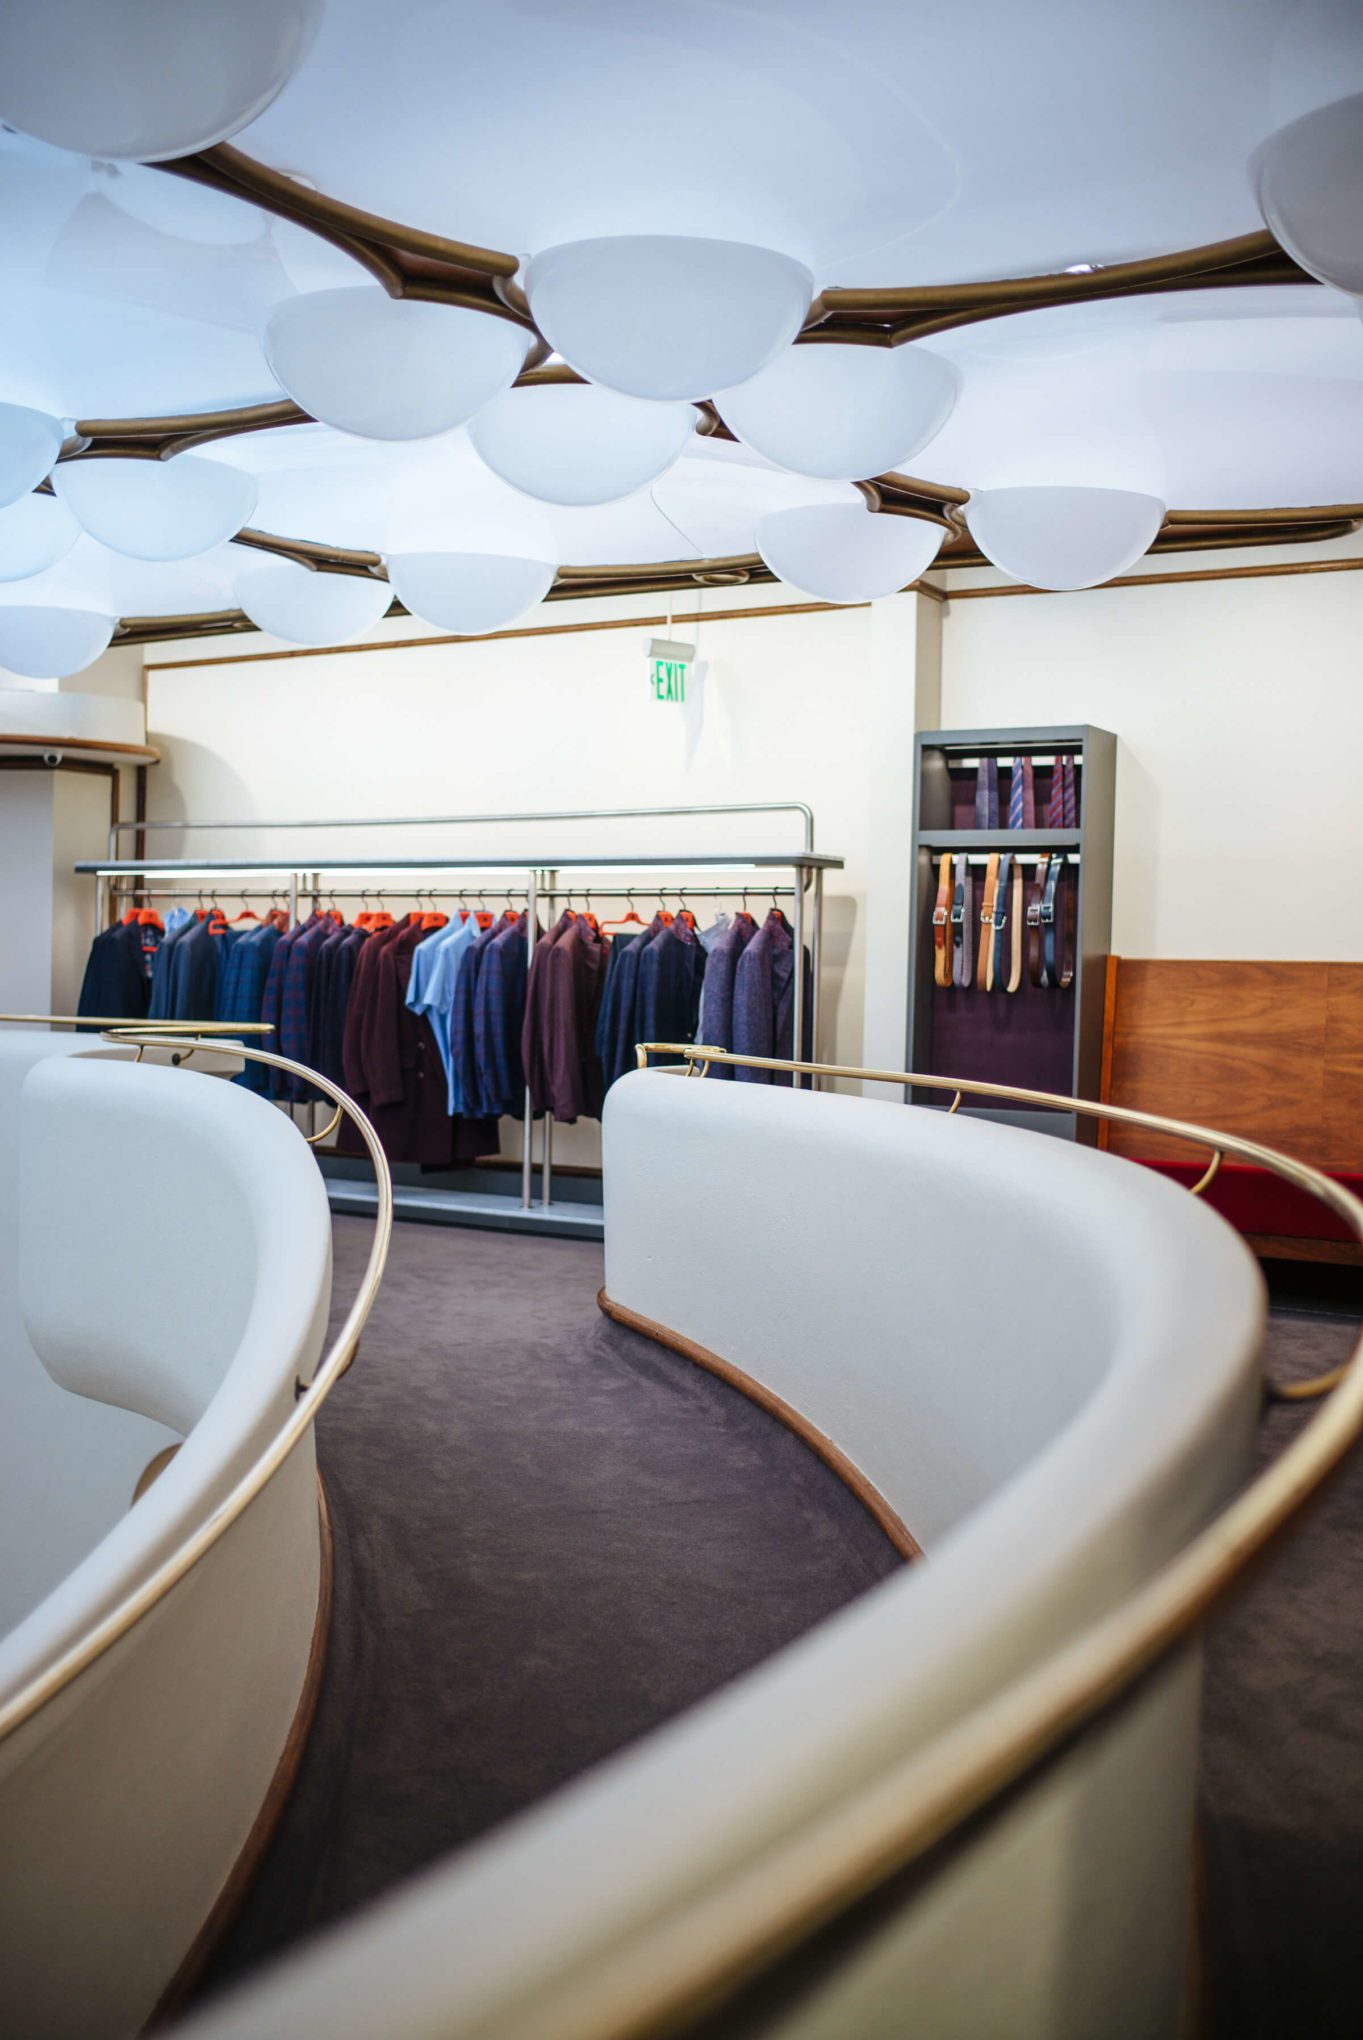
(430, 990)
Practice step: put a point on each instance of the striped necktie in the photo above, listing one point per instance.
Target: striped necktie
(1021, 795)
(1055, 806)
(1069, 801)
(987, 793)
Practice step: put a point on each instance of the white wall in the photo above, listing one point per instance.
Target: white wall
(1239, 709)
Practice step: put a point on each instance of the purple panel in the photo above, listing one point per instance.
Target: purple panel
(1024, 1037)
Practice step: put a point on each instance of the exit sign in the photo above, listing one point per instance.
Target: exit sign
(669, 663)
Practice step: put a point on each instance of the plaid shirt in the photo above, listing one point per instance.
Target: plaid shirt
(295, 1031)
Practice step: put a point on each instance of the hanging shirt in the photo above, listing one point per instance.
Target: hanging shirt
(241, 987)
(194, 969)
(463, 1045)
(115, 983)
(160, 1007)
(334, 977)
(617, 1031)
(667, 997)
(498, 1016)
(763, 1006)
(716, 1025)
(558, 1040)
(430, 991)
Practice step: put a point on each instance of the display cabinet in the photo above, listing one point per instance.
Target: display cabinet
(1043, 1036)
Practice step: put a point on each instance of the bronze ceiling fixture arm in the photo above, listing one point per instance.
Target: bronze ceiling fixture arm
(892, 315)
(407, 261)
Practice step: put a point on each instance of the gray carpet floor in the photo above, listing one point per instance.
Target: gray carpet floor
(1282, 1751)
(551, 1536)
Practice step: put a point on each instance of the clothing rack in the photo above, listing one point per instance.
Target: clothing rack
(541, 879)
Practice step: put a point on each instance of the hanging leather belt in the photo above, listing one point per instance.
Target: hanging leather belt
(1015, 921)
(941, 925)
(998, 968)
(962, 918)
(1036, 958)
(1057, 927)
(984, 968)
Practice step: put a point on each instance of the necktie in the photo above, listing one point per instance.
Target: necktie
(1021, 795)
(987, 793)
(1069, 801)
(1055, 806)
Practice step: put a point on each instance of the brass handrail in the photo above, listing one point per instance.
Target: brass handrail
(709, 1946)
(27, 1702)
(697, 1057)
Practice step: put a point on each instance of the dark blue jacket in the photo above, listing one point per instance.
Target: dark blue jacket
(115, 985)
(667, 995)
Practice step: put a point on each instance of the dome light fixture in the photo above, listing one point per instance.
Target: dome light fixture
(49, 644)
(667, 315)
(471, 593)
(29, 444)
(576, 443)
(157, 509)
(144, 80)
(1063, 538)
(1308, 179)
(844, 552)
(841, 412)
(305, 606)
(35, 532)
(390, 368)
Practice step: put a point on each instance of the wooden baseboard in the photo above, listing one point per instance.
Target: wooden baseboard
(1286, 1247)
(852, 1478)
(178, 1991)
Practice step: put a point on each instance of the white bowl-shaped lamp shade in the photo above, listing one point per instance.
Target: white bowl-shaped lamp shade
(157, 509)
(1063, 538)
(35, 533)
(384, 368)
(307, 607)
(47, 644)
(667, 316)
(29, 443)
(1308, 179)
(574, 443)
(842, 552)
(840, 412)
(142, 80)
(471, 593)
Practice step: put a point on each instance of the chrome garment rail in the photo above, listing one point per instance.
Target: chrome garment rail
(547, 879)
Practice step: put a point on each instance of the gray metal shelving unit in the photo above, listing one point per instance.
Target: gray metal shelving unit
(1045, 1039)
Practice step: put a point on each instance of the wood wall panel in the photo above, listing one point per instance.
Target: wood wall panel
(1270, 1051)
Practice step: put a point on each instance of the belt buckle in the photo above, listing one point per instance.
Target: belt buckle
(1000, 920)
(1034, 913)
(939, 917)
(957, 916)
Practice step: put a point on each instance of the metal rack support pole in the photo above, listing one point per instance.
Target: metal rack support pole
(293, 899)
(798, 992)
(816, 970)
(547, 1137)
(532, 879)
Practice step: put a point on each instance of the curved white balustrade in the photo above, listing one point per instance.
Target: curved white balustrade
(165, 1276)
(1045, 1359)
